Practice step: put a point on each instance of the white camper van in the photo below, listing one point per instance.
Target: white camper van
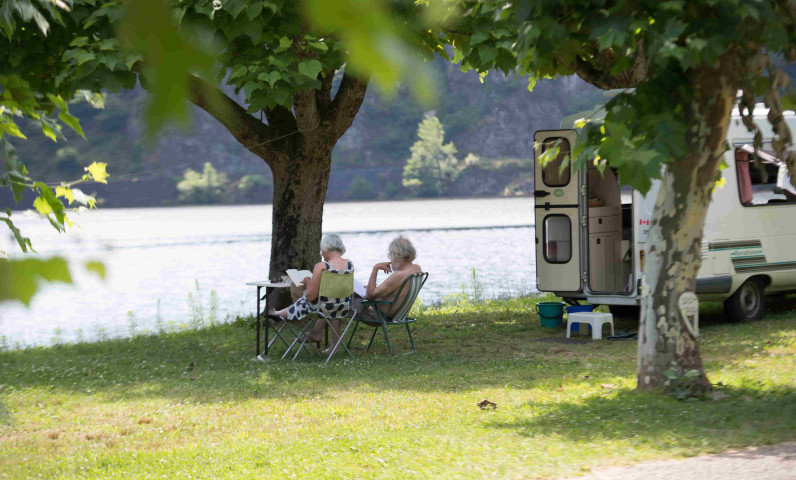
(591, 232)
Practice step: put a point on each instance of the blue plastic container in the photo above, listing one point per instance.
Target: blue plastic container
(579, 308)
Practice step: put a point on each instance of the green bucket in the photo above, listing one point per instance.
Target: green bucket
(551, 314)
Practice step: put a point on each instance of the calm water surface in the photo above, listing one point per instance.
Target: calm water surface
(157, 257)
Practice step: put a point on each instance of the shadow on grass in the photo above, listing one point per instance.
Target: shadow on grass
(457, 351)
(745, 416)
(158, 366)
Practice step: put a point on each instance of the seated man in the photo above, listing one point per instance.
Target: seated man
(401, 253)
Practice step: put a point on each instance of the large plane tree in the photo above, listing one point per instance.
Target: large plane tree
(682, 63)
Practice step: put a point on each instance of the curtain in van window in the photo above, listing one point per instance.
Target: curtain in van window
(744, 179)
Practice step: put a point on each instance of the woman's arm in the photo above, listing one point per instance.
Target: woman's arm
(314, 283)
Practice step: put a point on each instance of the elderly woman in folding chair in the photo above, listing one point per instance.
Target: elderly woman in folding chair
(332, 250)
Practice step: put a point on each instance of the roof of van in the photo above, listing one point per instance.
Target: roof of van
(598, 112)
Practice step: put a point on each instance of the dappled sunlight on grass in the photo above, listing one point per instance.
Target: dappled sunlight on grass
(194, 404)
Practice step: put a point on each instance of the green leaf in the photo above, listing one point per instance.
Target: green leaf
(284, 44)
(20, 279)
(108, 44)
(254, 30)
(270, 77)
(66, 193)
(280, 96)
(72, 121)
(254, 9)
(132, 60)
(24, 242)
(479, 37)
(83, 56)
(96, 267)
(250, 87)
(79, 42)
(238, 71)
(320, 46)
(41, 205)
(97, 172)
(310, 68)
(11, 128)
(487, 54)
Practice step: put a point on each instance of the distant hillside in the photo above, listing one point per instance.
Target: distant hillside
(495, 119)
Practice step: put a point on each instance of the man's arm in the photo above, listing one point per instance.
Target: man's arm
(388, 286)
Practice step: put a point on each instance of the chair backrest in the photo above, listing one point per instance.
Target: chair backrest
(336, 285)
(414, 283)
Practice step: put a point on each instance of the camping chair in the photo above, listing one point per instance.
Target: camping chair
(414, 283)
(281, 330)
(333, 286)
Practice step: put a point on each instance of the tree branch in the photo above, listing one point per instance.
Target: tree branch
(246, 129)
(346, 103)
(600, 75)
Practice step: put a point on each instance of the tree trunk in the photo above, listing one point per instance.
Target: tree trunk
(673, 255)
(300, 183)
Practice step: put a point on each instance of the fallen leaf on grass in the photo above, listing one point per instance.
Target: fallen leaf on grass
(53, 435)
(485, 404)
(607, 386)
(143, 420)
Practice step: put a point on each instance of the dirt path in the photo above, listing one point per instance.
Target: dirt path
(774, 462)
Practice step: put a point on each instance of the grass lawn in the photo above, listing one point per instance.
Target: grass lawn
(130, 409)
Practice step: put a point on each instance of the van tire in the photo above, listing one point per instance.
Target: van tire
(748, 302)
(625, 311)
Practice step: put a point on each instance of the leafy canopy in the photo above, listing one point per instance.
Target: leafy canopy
(657, 49)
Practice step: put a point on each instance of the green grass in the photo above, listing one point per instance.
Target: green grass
(130, 409)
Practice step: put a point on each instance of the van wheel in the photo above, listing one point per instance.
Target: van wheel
(748, 302)
(625, 311)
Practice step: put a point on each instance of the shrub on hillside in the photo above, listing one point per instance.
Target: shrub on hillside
(210, 186)
(433, 164)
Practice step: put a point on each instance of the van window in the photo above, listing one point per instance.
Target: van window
(552, 175)
(557, 235)
(755, 190)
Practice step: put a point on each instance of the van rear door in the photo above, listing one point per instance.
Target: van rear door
(556, 201)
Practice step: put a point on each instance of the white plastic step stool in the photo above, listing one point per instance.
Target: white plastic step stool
(596, 320)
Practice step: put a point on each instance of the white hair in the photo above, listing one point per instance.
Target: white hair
(401, 249)
(332, 243)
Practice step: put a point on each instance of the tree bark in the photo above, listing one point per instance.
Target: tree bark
(673, 255)
(300, 183)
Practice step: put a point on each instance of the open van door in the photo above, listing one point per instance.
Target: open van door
(556, 201)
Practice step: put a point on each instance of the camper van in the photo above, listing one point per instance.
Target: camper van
(591, 231)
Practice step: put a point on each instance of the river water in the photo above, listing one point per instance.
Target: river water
(165, 265)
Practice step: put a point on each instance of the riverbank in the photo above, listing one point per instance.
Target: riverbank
(193, 404)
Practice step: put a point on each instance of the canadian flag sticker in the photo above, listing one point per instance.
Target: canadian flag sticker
(643, 222)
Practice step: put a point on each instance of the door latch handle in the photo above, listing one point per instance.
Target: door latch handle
(540, 193)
